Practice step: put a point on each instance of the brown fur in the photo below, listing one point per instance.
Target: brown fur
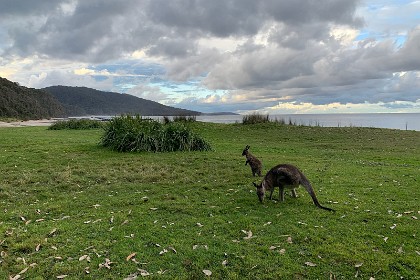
(286, 176)
(254, 163)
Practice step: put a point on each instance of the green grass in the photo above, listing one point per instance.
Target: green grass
(68, 205)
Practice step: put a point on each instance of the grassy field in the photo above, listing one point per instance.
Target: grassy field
(71, 209)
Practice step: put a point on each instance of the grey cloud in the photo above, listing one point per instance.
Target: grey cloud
(125, 26)
(22, 7)
(172, 47)
(220, 18)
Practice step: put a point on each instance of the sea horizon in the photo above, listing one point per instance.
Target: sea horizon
(401, 121)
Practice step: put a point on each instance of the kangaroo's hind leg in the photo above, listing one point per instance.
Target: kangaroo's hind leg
(271, 193)
(294, 194)
(281, 193)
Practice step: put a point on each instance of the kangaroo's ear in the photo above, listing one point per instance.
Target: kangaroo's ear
(247, 147)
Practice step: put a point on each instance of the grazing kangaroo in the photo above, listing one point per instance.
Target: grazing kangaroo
(255, 163)
(286, 176)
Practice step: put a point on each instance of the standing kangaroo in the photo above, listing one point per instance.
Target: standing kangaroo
(286, 176)
(255, 163)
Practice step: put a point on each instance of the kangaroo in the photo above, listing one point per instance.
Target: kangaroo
(255, 163)
(285, 176)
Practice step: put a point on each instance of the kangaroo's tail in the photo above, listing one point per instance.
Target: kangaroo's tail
(305, 183)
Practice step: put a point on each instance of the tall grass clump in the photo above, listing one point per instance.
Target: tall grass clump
(184, 119)
(134, 134)
(76, 124)
(255, 118)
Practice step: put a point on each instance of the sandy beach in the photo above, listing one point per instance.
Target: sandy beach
(44, 122)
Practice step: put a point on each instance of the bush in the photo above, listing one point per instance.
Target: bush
(255, 118)
(134, 134)
(183, 119)
(76, 124)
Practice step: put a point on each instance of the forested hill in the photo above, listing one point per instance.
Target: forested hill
(27, 103)
(80, 101)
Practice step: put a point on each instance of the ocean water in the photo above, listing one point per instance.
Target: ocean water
(402, 121)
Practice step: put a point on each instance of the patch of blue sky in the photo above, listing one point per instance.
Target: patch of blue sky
(187, 89)
(100, 78)
(131, 68)
(399, 39)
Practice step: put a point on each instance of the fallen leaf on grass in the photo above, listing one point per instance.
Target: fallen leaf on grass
(207, 272)
(248, 233)
(164, 251)
(84, 257)
(37, 247)
(62, 276)
(393, 226)
(310, 264)
(19, 275)
(144, 272)
(204, 246)
(289, 240)
(129, 257)
(52, 232)
(224, 263)
(131, 277)
(357, 265)
(106, 264)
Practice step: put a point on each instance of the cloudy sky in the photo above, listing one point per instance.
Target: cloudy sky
(274, 56)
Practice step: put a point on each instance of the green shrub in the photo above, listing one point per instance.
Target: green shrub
(130, 134)
(76, 124)
(255, 118)
(185, 119)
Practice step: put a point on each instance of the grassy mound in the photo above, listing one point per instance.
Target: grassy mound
(134, 134)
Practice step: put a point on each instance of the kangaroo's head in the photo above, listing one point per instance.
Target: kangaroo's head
(260, 190)
(245, 152)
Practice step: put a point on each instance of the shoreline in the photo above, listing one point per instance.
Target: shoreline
(43, 122)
